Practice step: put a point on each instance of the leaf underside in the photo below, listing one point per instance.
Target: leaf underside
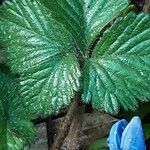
(15, 129)
(118, 74)
(43, 44)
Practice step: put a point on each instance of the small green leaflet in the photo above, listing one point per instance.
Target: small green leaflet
(118, 74)
(100, 144)
(15, 129)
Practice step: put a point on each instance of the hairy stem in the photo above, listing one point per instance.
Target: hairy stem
(66, 123)
(73, 140)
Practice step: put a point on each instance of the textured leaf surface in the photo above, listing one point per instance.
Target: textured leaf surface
(42, 51)
(119, 71)
(41, 45)
(84, 18)
(2, 58)
(15, 129)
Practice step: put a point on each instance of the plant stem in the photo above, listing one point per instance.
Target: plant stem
(66, 123)
(73, 140)
(146, 6)
(50, 131)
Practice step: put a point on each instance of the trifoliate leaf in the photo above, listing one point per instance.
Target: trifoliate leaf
(15, 128)
(118, 74)
(84, 18)
(42, 51)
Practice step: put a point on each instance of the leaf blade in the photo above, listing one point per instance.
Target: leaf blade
(15, 128)
(42, 52)
(120, 81)
(84, 18)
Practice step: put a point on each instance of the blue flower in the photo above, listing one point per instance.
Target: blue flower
(127, 136)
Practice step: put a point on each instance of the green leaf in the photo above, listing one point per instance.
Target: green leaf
(118, 74)
(2, 57)
(43, 45)
(42, 51)
(100, 144)
(15, 128)
(146, 128)
(84, 19)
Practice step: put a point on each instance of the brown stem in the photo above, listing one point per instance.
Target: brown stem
(66, 123)
(73, 139)
(146, 6)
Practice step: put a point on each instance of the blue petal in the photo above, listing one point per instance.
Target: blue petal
(115, 134)
(132, 137)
